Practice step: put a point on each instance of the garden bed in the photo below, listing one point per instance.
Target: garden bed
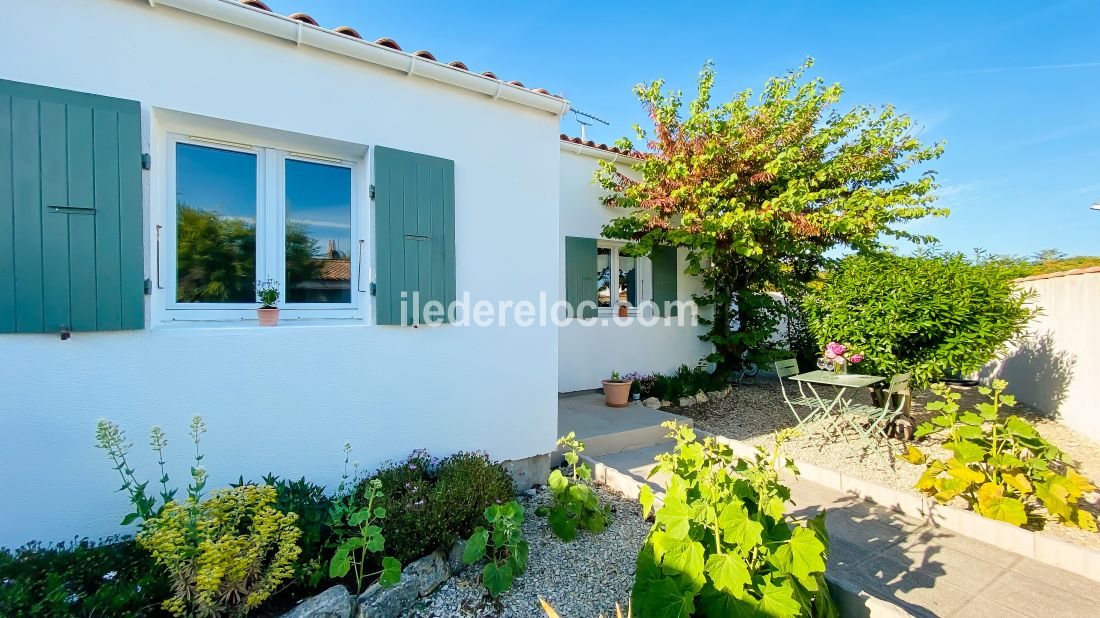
(756, 410)
(580, 578)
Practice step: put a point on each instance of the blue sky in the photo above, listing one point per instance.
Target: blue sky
(1012, 87)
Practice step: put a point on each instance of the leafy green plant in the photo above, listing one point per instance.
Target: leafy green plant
(430, 503)
(1002, 467)
(721, 544)
(225, 555)
(575, 504)
(930, 314)
(112, 439)
(112, 577)
(357, 535)
(267, 292)
(503, 547)
(310, 503)
(684, 381)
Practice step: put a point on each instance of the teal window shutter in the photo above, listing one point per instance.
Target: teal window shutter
(70, 211)
(663, 260)
(414, 202)
(580, 274)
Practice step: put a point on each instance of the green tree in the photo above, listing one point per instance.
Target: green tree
(927, 314)
(758, 191)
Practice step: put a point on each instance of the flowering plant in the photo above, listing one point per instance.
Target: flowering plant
(840, 356)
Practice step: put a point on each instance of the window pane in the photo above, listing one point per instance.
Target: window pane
(215, 225)
(628, 280)
(603, 277)
(318, 233)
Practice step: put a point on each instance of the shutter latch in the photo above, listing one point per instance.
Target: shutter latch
(372, 192)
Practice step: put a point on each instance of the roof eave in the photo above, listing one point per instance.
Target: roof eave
(304, 34)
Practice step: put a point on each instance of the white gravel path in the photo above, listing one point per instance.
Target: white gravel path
(580, 579)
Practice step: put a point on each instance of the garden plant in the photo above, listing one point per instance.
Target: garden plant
(575, 504)
(722, 544)
(1001, 467)
(930, 314)
(356, 534)
(502, 546)
(758, 191)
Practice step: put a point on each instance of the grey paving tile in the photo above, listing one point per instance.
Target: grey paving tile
(1062, 580)
(860, 527)
(982, 607)
(921, 592)
(1033, 597)
(844, 556)
(973, 547)
(940, 561)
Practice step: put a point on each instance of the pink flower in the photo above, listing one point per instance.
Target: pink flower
(829, 354)
(839, 360)
(835, 348)
(856, 358)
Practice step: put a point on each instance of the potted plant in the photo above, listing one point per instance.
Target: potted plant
(624, 310)
(616, 391)
(267, 292)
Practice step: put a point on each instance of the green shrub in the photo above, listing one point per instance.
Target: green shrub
(575, 504)
(310, 503)
(1003, 468)
(112, 577)
(722, 544)
(503, 547)
(930, 314)
(225, 555)
(431, 503)
(682, 382)
(358, 537)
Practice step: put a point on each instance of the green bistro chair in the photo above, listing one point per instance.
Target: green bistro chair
(785, 369)
(877, 419)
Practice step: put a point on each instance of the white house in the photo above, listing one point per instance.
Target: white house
(160, 157)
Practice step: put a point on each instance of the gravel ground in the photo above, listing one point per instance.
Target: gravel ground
(579, 579)
(756, 410)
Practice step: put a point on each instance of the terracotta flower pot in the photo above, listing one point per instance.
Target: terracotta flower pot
(269, 316)
(623, 311)
(617, 394)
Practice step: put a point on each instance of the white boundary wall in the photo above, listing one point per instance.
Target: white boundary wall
(1057, 368)
(285, 399)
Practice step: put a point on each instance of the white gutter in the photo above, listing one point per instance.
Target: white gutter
(308, 35)
(585, 150)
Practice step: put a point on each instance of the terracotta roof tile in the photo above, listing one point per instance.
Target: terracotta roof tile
(335, 270)
(390, 43)
(349, 31)
(1064, 273)
(612, 149)
(302, 17)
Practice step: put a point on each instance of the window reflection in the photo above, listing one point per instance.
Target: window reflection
(318, 233)
(215, 225)
(628, 280)
(603, 277)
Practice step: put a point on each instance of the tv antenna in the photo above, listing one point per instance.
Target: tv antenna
(586, 120)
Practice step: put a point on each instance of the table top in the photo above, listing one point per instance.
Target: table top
(843, 380)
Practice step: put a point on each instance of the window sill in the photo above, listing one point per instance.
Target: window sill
(176, 324)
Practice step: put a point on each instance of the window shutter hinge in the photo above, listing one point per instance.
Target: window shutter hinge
(373, 289)
(372, 192)
(146, 161)
(148, 287)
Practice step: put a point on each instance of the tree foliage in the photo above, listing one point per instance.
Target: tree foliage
(927, 314)
(757, 191)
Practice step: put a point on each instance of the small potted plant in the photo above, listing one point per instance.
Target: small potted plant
(616, 391)
(267, 292)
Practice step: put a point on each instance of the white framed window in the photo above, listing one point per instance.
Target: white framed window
(239, 214)
(620, 279)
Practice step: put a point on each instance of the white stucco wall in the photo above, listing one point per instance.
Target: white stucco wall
(285, 399)
(589, 350)
(1056, 369)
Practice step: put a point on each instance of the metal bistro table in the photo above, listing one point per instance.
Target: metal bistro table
(842, 381)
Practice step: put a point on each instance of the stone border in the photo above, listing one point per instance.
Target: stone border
(1079, 560)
